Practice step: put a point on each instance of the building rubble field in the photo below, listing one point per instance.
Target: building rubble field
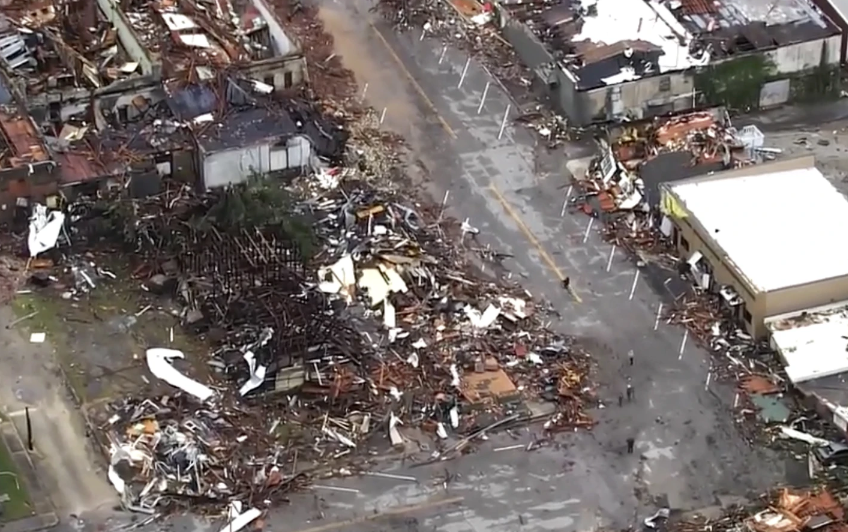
(385, 328)
(781, 510)
(346, 321)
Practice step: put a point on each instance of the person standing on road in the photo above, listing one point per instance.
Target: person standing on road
(566, 283)
(630, 393)
(631, 442)
(630, 356)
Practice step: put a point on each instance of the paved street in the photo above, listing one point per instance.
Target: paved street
(688, 453)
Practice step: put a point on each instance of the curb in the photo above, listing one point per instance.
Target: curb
(35, 522)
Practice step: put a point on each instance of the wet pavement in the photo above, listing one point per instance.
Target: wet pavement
(688, 453)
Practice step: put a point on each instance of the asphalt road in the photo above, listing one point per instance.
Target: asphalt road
(689, 455)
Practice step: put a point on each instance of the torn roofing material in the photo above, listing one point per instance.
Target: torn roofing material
(606, 42)
(159, 363)
(812, 344)
(22, 144)
(246, 127)
(62, 49)
(183, 35)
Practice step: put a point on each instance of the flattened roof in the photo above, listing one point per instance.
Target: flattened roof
(775, 226)
(813, 343)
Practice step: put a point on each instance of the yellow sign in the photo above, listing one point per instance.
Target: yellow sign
(670, 207)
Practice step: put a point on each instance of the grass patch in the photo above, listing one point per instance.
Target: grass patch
(13, 493)
(48, 319)
(95, 317)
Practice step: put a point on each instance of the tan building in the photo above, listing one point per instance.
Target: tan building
(766, 237)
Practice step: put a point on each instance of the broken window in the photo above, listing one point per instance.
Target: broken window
(665, 84)
(288, 79)
(684, 243)
(746, 315)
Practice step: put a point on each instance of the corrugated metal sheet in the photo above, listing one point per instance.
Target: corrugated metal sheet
(699, 7)
(23, 140)
(77, 168)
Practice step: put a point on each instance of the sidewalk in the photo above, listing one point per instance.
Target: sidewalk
(796, 116)
(45, 516)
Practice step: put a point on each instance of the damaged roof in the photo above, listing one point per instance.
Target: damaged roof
(181, 34)
(812, 343)
(752, 215)
(606, 42)
(245, 128)
(56, 49)
(22, 145)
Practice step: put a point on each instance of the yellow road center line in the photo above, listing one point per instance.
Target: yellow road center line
(400, 510)
(524, 229)
(449, 130)
(533, 240)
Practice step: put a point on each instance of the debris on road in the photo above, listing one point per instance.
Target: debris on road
(621, 188)
(387, 328)
(782, 510)
(344, 319)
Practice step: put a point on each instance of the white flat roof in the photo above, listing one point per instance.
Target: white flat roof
(814, 345)
(778, 228)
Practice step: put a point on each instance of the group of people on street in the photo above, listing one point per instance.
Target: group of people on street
(629, 394)
(631, 442)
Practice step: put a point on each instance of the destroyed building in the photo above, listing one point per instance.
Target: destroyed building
(742, 235)
(251, 138)
(813, 349)
(151, 89)
(71, 51)
(208, 134)
(182, 38)
(64, 58)
(29, 166)
(607, 59)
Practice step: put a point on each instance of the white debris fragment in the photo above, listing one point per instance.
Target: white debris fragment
(394, 433)
(389, 317)
(158, 361)
(419, 344)
(116, 480)
(339, 278)
(380, 282)
(328, 178)
(484, 320)
(341, 438)
(467, 228)
(257, 374)
(44, 229)
(455, 381)
(788, 432)
(241, 520)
